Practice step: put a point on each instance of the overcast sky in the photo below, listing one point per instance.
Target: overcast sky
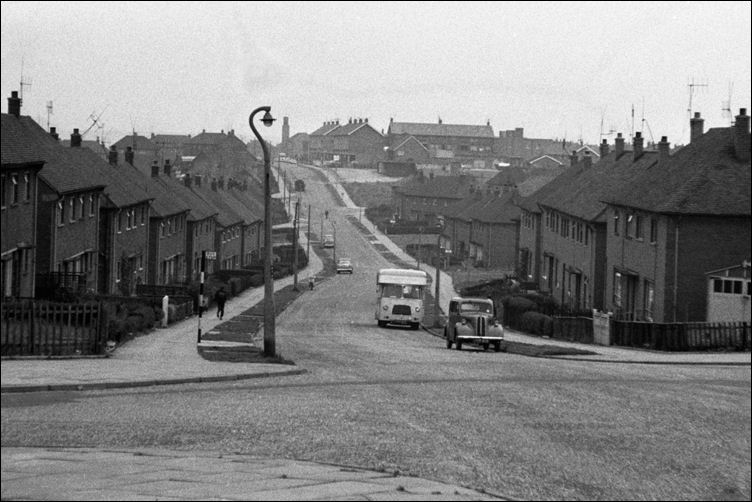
(559, 69)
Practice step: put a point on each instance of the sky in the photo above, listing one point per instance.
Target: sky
(560, 70)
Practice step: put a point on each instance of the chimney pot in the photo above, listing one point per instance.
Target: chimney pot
(663, 150)
(113, 155)
(619, 145)
(637, 145)
(604, 148)
(695, 127)
(741, 136)
(75, 139)
(14, 104)
(129, 155)
(54, 134)
(587, 160)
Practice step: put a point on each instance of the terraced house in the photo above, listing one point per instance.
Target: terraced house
(20, 166)
(686, 216)
(564, 224)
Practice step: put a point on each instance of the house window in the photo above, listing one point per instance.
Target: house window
(617, 218)
(617, 289)
(653, 230)
(14, 189)
(81, 207)
(72, 209)
(629, 226)
(143, 215)
(92, 204)
(649, 303)
(119, 222)
(639, 234)
(27, 190)
(60, 212)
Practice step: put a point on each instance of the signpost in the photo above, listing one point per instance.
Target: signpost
(205, 255)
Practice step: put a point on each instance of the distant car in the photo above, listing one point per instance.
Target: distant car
(473, 320)
(328, 241)
(344, 266)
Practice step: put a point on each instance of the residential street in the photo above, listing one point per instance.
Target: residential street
(397, 400)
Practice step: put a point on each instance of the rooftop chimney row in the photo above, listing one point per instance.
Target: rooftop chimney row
(637, 145)
(695, 127)
(14, 104)
(741, 136)
(75, 139)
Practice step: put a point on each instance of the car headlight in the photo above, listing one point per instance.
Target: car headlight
(385, 307)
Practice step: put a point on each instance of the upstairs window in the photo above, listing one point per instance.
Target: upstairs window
(27, 189)
(653, 230)
(61, 212)
(617, 221)
(15, 189)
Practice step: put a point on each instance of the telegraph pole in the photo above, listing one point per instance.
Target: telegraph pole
(295, 247)
(308, 240)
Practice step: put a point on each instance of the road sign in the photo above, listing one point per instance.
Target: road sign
(211, 255)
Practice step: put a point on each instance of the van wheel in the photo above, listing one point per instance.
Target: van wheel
(458, 342)
(485, 346)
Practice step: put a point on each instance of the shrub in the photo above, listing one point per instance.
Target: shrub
(537, 323)
(236, 286)
(520, 304)
(257, 280)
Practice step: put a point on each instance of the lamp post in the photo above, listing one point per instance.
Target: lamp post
(269, 334)
(439, 257)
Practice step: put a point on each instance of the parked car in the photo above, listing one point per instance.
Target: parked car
(344, 266)
(328, 241)
(473, 320)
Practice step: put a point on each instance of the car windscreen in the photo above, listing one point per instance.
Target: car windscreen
(480, 307)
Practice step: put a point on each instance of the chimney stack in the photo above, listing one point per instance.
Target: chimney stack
(663, 148)
(113, 155)
(573, 158)
(54, 134)
(14, 104)
(167, 168)
(637, 145)
(741, 136)
(695, 127)
(187, 180)
(619, 145)
(587, 160)
(604, 148)
(155, 170)
(75, 139)
(129, 155)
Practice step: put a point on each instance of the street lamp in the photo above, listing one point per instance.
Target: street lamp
(440, 256)
(269, 342)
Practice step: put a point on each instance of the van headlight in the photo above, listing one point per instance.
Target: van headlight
(385, 307)
(417, 309)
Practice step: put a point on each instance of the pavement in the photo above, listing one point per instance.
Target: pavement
(170, 356)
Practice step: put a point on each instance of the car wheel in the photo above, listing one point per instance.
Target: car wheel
(448, 340)
(415, 326)
(485, 346)
(497, 346)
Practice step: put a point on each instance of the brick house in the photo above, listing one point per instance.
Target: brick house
(468, 145)
(124, 225)
(228, 237)
(322, 142)
(356, 144)
(484, 229)
(562, 243)
(409, 150)
(20, 166)
(168, 231)
(299, 146)
(70, 193)
(211, 142)
(424, 199)
(686, 215)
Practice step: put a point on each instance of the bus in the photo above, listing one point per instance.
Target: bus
(400, 296)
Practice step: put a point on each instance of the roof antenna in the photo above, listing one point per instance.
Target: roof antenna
(726, 105)
(23, 83)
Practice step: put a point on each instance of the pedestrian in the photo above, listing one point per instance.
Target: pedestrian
(311, 282)
(220, 297)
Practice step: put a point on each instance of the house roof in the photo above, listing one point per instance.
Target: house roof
(325, 129)
(16, 146)
(66, 169)
(170, 139)
(704, 177)
(499, 209)
(351, 128)
(444, 187)
(214, 138)
(227, 212)
(138, 143)
(422, 129)
(407, 140)
(542, 157)
(125, 185)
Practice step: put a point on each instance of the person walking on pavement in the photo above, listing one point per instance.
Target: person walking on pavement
(311, 282)
(220, 297)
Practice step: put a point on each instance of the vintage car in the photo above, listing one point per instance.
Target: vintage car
(473, 320)
(344, 266)
(328, 241)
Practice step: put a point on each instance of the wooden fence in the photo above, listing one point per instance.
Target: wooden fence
(47, 329)
(682, 336)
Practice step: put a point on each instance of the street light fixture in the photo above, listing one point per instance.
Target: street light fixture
(269, 329)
